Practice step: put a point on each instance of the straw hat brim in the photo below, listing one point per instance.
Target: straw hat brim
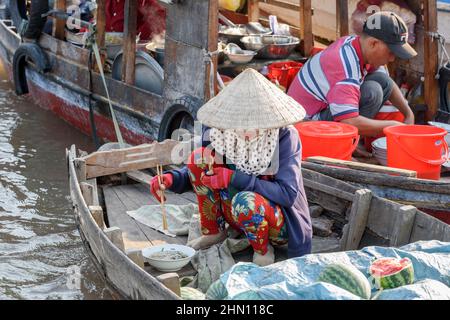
(251, 101)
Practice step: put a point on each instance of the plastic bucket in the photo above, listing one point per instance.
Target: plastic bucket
(387, 112)
(417, 147)
(328, 139)
(284, 72)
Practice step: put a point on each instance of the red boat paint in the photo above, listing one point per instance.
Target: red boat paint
(75, 114)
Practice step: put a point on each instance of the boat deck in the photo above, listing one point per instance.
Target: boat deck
(122, 198)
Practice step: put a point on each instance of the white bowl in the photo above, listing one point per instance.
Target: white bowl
(168, 265)
(244, 57)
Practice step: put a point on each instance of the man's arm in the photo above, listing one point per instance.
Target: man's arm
(401, 103)
(369, 127)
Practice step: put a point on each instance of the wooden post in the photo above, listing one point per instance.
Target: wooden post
(213, 27)
(115, 235)
(101, 23)
(403, 226)
(59, 24)
(171, 281)
(97, 214)
(129, 42)
(431, 62)
(357, 219)
(342, 28)
(306, 26)
(88, 193)
(253, 10)
(136, 256)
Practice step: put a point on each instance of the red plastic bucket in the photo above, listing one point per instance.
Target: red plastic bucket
(284, 72)
(328, 139)
(386, 113)
(417, 147)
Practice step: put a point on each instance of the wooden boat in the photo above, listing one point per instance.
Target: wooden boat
(430, 196)
(63, 81)
(106, 184)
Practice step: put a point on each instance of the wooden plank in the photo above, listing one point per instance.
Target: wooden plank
(253, 10)
(109, 162)
(130, 280)
(358, 219)
(80, 166)
(403, 225)
(327, 189)
(329, 244)
(88, 193)
(129, 42)
(213, 38)
(133, 237)
(362, 166)
(326, 201)
(59, 24)
(133, 197)
(322, 226)
(115, 235)
(306, 26)
(291, 5)
(172, 281)
(97, 214)
(373, 178)
(342, 26)
(136, 256)
(101, 23)
(315, 211)
(431, 54)
(427, 227)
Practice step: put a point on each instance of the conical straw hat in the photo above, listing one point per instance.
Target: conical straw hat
(250, 101)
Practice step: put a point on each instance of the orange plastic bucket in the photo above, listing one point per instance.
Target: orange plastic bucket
(417, 147)
(328, 139)
(284, 72)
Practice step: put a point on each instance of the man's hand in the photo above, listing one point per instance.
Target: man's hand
(220, 180)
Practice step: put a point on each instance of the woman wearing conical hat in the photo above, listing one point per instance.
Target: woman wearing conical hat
(256, 186)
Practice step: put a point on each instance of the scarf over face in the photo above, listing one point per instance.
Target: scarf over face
(251, 151)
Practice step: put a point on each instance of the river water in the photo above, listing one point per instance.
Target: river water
(41, 253)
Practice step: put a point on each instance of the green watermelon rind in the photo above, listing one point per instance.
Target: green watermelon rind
(400, 278)
(188, 293)
(348, 278)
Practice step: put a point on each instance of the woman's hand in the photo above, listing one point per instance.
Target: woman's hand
(220, 180)
(155, 188)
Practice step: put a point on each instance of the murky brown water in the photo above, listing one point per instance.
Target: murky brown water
(40, 246)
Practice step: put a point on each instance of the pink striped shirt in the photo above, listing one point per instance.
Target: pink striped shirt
(332, 78)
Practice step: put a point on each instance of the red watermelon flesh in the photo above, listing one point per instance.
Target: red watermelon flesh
(392, 272)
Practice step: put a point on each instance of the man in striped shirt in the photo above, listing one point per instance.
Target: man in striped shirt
(348, 82)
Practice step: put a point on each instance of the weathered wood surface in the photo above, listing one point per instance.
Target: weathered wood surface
(329, 244)
(101, 23)
(59, 24)
(129, 43)
(327, 189)
(373, 178)
(306, 27)
(322, 226)
(431, 61)
(315, 211)
(130, 280)
(427, 227)
(357, 220)
(362, 166)
(102, 163)
(342, 26)
(253, 10)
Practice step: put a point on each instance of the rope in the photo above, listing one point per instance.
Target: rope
(93, 44)
(445, 54)
(207, 58)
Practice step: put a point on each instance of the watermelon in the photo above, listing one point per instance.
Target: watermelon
(390, 273)
(188, 293)
(216, 291)
(348, 278)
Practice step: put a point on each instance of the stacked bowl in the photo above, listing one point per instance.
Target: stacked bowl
(379, 150)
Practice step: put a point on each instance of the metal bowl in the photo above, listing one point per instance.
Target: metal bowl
(271, 46)
(235, 33)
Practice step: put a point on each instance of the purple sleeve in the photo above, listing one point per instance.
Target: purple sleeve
(283, 190)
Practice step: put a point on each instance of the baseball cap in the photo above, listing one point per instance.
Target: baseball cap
(391, 29)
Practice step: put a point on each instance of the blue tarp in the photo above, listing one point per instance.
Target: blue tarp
(296, 278)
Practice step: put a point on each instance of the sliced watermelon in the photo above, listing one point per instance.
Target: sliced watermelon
(391, 273)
